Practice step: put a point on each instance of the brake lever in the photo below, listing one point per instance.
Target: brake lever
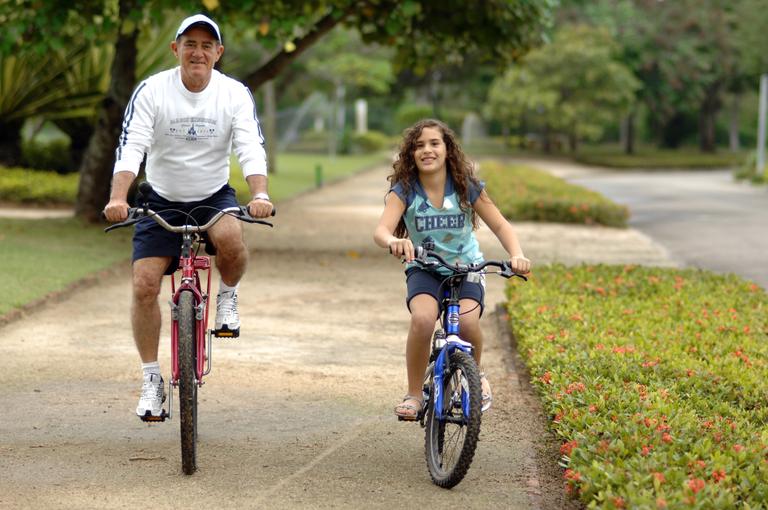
(134, 216)
(507, 272)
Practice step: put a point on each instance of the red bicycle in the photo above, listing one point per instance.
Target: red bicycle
(190, 337)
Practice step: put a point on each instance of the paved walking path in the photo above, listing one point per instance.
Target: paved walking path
(298, 412)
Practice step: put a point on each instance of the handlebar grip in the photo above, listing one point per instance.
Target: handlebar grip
(244, 211)
(132, 219)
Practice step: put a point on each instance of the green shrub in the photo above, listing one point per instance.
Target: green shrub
(526, 194)
(650, 158)
(371, 141)
(310, 142)
(41, 187)
(410, 113)
(748, 170)
(50, 155)
(655, 381)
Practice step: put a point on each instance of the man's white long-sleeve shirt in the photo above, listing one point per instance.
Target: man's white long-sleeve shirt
(188, 136)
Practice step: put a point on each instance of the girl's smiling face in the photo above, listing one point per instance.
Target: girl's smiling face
(430, 151)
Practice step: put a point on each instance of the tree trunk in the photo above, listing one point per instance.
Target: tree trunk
(707, 114)
(573, 140)
(628, 142)
(270, 126)
(734, 143)
(434, 93)
(96, 169)
(673, 131)
(10, 142)
(547, 143)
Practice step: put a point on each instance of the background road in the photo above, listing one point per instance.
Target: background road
(703, 218)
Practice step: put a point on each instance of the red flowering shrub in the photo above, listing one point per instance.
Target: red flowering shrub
(655, 381)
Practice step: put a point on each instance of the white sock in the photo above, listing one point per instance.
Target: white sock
(223, 287)
(151, 368)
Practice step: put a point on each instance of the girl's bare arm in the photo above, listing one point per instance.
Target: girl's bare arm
(503, 230)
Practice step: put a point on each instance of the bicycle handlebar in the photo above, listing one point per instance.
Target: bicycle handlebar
(136, 214)
(423, 255)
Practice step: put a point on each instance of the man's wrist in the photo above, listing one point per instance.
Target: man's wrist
(260, 196)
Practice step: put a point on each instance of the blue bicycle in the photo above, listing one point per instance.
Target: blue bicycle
(452, 388)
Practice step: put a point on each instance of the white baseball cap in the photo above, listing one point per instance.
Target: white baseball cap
(199, 19)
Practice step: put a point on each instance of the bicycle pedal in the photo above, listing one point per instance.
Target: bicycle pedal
(150, 418)
(225, 332)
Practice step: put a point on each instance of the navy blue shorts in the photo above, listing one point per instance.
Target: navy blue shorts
(152, 240)
(421, 281)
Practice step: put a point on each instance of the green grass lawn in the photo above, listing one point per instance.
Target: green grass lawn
(44, 256)
(296, 173)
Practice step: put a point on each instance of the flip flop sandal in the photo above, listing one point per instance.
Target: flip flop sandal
(487, 396)
(407, 410)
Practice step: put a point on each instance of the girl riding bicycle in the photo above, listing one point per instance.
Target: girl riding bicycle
(435, 196)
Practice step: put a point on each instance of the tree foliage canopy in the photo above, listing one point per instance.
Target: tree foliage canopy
(574, 85)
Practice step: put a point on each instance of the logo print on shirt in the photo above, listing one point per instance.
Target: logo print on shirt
(441, 221)
(192, 129)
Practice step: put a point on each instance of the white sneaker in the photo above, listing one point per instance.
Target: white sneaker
(152, 397)
(227, 318)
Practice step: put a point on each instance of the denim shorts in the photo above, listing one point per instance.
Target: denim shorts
(422, 281)
(152, 240)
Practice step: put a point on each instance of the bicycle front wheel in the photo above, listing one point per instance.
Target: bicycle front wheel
(187, 384)
(451, 441)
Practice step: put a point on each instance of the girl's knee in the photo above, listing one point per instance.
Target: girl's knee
(422, 321)
(469, 324)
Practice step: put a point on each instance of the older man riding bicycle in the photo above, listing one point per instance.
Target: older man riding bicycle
(187, 120)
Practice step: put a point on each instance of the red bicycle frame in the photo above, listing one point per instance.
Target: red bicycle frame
(191, 265)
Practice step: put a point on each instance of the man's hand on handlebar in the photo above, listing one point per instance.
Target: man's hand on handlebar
(402, 248)
(520, 264)
(116, 210)
(260, 208)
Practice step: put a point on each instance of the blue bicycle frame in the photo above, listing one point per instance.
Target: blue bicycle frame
(448, 346)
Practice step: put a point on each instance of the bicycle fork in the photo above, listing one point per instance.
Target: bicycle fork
(443, 346)
(206, 352)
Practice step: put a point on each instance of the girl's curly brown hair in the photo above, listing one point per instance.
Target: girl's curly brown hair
(458, 166)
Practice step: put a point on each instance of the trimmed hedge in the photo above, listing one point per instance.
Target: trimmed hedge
(527, 194)
(655, 381)
(37, 186)
(659, 159)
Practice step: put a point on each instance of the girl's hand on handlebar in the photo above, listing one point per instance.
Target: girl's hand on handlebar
(260, 208)
(520, 264)
(116, 210)
(402, 248)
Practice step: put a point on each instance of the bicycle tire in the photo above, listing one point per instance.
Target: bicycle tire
(187, 382)
(450, 444)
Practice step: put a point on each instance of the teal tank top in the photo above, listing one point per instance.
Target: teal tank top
(448, 227)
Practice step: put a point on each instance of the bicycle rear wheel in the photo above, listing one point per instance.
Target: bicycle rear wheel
(451, 442)
(187, 384)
